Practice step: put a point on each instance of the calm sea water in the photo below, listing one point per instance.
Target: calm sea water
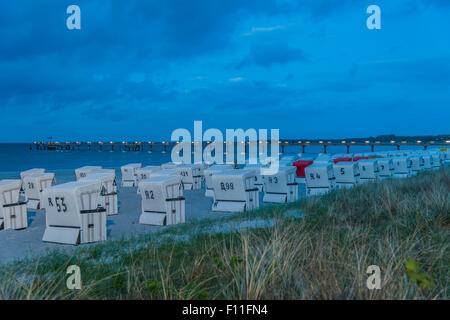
(18, 157)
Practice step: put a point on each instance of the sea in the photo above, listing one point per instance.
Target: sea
(17, 157)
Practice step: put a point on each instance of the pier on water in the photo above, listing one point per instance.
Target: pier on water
(164, 146)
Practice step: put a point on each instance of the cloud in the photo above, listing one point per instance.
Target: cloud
(237, 79)
(272, 54)
(44, 64)
(263, 29)
(164, 63)
(113, 29)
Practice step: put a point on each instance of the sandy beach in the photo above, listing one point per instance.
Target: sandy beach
(19, 244)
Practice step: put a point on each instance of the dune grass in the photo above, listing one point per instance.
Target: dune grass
(323, 255)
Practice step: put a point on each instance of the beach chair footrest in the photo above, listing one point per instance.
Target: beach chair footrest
(62, 235)
(275, 198)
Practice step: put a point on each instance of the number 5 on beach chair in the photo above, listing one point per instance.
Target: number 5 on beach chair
(74, 213)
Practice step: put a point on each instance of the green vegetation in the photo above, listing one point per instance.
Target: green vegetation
(400, 225)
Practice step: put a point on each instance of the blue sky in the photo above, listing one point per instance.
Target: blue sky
(137, 70)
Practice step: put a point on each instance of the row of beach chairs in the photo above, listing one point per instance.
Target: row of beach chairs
(326, 173)
(232, 190)
(77, 211)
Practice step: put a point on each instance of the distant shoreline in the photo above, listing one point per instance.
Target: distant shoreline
(381, 138)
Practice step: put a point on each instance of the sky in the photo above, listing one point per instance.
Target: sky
(138, 70)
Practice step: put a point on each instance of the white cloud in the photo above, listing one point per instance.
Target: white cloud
(263, 29)
(237, 79)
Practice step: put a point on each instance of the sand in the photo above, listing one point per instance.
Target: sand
(27, 243)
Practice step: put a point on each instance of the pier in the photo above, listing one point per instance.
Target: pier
(304, 144)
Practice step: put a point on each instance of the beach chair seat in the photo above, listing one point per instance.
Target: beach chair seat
(259, 181)
(446, 155)
(84, 171)
(129, 174)
(29, 172)
(427, 161)
(234, 191)
(417, 163)
(385, 168)
(108, 191)
(13, 213)
(346, 174)
(437, 160)
(368, 170)
(319, 179)
(33, 185)
(209, 172)
(162, 200)
(402, 167)
(281, 187)
(300, 165)
(190, 176)
(75, 213)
